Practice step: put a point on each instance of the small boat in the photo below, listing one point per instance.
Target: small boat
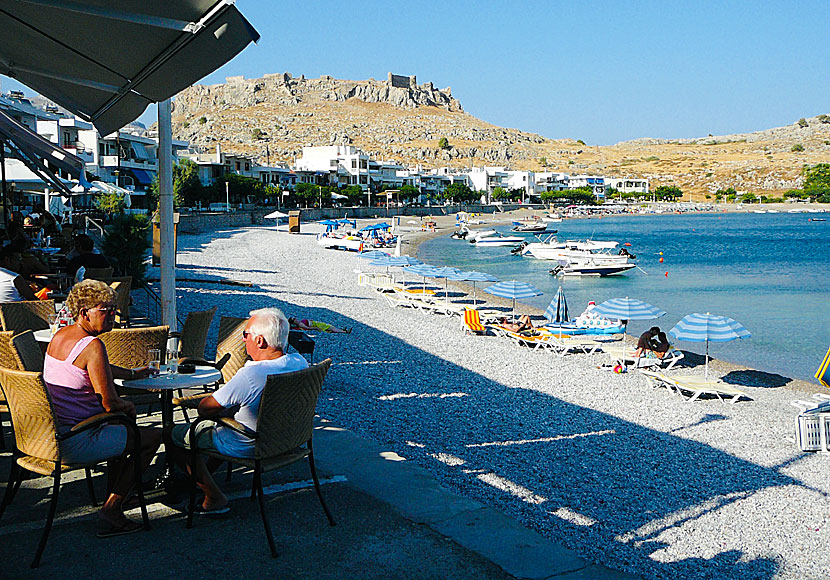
(530, 228)
(587, 323)
(461, 234)
(478, 234)
(591, 268)
(496, 240)
(816, 220)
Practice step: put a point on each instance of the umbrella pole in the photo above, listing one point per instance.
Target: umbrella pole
(706, 362)
(474, 294)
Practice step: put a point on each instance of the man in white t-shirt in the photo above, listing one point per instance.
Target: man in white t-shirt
(266, 338)
(13, 288)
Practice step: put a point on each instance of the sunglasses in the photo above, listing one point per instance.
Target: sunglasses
(246, 334)
(106, 309)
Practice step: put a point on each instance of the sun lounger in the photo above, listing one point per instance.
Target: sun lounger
(560, 346)
(625, 355)
(691, 387)
(472, 322)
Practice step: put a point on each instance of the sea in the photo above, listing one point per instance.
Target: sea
(768, 271)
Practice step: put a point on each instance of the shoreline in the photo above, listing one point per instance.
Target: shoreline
(446, 225)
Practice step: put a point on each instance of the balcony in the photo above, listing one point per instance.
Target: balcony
(110, 161)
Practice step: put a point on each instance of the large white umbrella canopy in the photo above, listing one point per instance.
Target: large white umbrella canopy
(106, 62)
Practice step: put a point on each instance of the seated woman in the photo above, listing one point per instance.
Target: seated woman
(306, 324)
(524, 324)
(79, 377)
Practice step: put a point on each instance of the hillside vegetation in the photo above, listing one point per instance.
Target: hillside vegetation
(275, 116)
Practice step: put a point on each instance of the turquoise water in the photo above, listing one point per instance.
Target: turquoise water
(767, 271)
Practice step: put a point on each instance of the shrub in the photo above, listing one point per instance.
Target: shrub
(257, 134)
(824, 119)
(797, 148)
(126, 243)
(802, 122)
(444, 143)
(202, 120)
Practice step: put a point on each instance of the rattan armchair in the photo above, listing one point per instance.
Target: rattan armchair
(98, 273)
(27, 353)
(195, 333)
(122, 286)
(285, 427)
(230, 349)
(26, 315)
(38, 443)
(7, 361)
(127, 347)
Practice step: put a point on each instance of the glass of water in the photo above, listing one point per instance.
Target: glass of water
(154, 360)
(173, 361)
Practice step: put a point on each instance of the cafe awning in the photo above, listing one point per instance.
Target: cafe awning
(106, 62)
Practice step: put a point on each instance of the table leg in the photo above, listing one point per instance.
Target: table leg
(165, 478)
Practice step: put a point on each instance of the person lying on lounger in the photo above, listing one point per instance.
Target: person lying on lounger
(523, 324)
(306, 324)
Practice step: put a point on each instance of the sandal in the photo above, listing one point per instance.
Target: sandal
(200, 510)
(128, 527)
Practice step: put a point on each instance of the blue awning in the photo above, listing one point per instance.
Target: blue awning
(142, 176)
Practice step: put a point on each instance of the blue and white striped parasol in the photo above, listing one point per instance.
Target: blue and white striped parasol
(445, 272)
(372, 255)
(474, 276)
(557, 310)
(513, 289)
(628, 309)
(422, 270)
(395, 262)
(708, 328)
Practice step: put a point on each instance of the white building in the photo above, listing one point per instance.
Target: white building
(486, 179)
(595, 182)
(628, 184)
(348, 164)
(523, 180)
(551, 181)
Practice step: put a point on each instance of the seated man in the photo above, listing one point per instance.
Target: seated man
(653, 342)
(85, 256)
(13, 288)
(266, 339)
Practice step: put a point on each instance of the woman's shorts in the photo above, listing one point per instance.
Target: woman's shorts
(96, 444)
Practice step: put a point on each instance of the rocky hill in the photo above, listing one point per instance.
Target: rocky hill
(275, 116)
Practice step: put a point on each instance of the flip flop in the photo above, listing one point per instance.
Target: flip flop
(200, 510)
(129, 527)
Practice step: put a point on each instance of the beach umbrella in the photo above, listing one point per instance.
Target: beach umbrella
(473, 276)
(423, 270)
(708, 328)
(626, 309)
(445, 272)
(557, 310)
(276, 215)
(372, 255)
(395, 262)
(513, 289)
(330, 224)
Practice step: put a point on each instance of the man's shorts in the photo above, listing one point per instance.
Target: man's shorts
(204, 436)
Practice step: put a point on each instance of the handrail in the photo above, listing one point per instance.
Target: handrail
(88, 220)
(156, 299)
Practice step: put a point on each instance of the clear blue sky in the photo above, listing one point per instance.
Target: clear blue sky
(598, 71)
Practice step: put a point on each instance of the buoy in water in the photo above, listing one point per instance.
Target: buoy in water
(667, 274)
(661, 259)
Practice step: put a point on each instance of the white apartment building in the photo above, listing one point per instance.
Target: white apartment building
(349, 164)
(595, 182)
(523, 180)
(628, 184)
(551, 181)
(486, 179)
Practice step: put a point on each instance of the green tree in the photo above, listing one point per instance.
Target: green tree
(578, 196)
(187, 188)
(307, 192)
(817, 182)
(110, 202)
(500, 194)
(354, 193)
(668, 192)
(239, 189)
(797, 148)
(409, 192)
(543, 161)
(459, 192)
(748, 198)
(126, 242)
(444, 143)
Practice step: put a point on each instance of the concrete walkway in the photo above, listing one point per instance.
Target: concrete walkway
(393, 521)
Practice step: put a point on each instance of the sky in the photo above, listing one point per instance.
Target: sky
(599, 71)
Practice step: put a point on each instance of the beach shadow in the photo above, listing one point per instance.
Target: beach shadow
(753, 378)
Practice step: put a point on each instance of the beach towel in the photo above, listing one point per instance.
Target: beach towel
(822, 373)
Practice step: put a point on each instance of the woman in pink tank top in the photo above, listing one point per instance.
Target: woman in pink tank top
(79, 377)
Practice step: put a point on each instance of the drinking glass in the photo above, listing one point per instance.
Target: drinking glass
(173, 361)
(154, 360)
(53, 323)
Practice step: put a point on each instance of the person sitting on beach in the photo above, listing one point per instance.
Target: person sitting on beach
(266, 340)
(306, 324)
(524, 324)
(653, 342)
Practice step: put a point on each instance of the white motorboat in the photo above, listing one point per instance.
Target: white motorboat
(474, 235)
(591, 268)
(495, 239)
(572, 250)
(537, 227)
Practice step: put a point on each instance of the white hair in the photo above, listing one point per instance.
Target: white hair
(272, 325)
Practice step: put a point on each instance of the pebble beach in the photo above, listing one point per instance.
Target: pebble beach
(624, 474)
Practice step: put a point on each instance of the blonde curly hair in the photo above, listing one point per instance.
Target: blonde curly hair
(88, 294)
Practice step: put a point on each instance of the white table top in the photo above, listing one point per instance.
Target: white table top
(44, 335)
(165, 381)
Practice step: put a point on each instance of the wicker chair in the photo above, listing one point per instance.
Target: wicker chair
(98, 273)
(38, 443)
(122, 286)
(195, 333)
(7, 361)
(27, 353)
(127, 347)
(26, 315)
(230, 349)
(285, 427)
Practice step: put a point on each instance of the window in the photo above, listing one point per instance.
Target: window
(67, 140)
(238, 165)
(354, 163)
(247, 166)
